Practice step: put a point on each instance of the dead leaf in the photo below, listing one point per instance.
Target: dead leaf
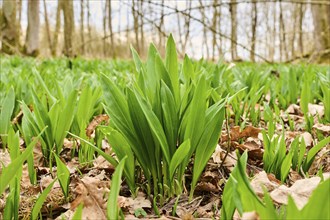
(261, 182)
(250, 216)
(94, 123)
(308, 138)
(325, 129)
(294, 109)
(253, 148)
(92, 192)
(314, 109)
(236, 134)
(300, 191)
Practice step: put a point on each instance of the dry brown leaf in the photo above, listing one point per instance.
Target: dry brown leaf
(236, 134)
(300, 191)
(250, 216)
(92, 192)
(4, 158)
(294, 109)
(94, 123)
(315, 109)
(261, 182)
(325, 129)
(308, 138)
(254, 149)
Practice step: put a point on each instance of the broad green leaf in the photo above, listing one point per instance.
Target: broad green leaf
(78, 213)
(112, 205)
(312, 152)
(171, 62)
(13, 167)
(63, 175)
(40, 201)
(7, 108)
(180, 154)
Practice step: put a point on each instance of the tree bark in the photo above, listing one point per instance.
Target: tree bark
(136, 26)
(32, 32)
(9, 27)
(47, 26)
(82, 26)
(300, 33)
(215, 26)
(161, 26)
(141, 23)
(205, 44)
(113, 51)
(68, 27)
(233, 16)
(321, 20)
(105, 49)
(283, 44)
(57, 27)
(89, 24)
(254, 31)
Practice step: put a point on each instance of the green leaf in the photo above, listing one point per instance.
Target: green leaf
(312, 152)
(180, 154)
(112, 205)
(78, 213)
(8, 172)
(171, 60)
(7, 108)
(41, 199)
(63, 175)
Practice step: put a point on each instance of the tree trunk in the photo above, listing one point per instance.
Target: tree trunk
(32, 32)
(321, 19)
(89, 24)
(205, 44)
(300, 35)
(68, 27)
(9, 27)
(105, 49)
(215, 27)
(254, 30)
(233, 16)
(57, 27)
(161, 25)
(283, 44)
(136, 26)
(82, 26)
(113, 52)
(187, 25)
(47, 26)
(141, 23)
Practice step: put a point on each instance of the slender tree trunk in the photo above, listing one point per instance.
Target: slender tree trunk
(233, 16)
(136, 26)
(32, 32)
(161, 25)
(300, 35)
(254, 31)
(187, 26)
(68, 27)
(47, 26)
(295, 15)
(215, 27)
(82, 26)
(89, 24)
(283, 44)
(105, 49)
(113, 51)
(141, 23)
(19, 22)
(321, 19)
(9, 27)
(57, 27)
(205, 43)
